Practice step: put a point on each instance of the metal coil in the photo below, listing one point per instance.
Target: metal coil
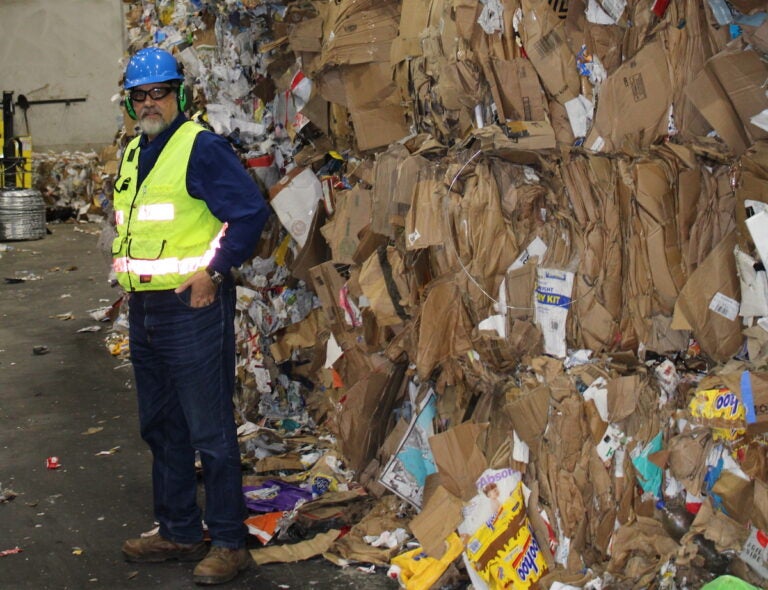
(22, 214)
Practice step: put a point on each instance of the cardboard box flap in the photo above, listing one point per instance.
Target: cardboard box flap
(633, 104)
(458, 459)
(710, 302)
(728, 92)
(544, 39)
(357, 32)
(353, 213)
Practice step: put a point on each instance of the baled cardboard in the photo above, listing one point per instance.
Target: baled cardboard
(385, 184)
(378, 127)
(424, 220)
(623, 393)
(655, 199)
(528, 412)
(306, 35)
(353, 212)
(519, 91)
(687, 458)
(760, 504)
(444, 328)
(544, 40)
(728, 92)
(633, 102)
(414, 17)
(707, 302)
(382, 281)
(359, 32)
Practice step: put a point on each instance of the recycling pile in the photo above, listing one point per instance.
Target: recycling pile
(71, 184)
(511, 305)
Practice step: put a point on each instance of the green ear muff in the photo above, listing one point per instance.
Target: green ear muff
(129, 108)
(181, 97)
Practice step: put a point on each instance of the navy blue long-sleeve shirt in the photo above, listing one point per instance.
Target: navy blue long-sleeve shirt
(216, 175)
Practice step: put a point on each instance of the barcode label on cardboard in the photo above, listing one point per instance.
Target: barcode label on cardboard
(725, 306)
(548, 43)
(637, 86)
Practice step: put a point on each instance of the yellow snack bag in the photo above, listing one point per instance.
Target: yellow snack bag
(721, 410)
(504, 550)
(415, 570)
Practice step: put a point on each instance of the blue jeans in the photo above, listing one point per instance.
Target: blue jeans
(184, 364)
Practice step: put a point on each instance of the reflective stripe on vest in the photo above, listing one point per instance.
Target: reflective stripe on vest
(166, 266)
(164, 234)
(159, 212)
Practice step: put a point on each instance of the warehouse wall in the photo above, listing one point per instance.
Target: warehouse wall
(57, 50)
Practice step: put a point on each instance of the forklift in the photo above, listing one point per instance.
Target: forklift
(16, 160)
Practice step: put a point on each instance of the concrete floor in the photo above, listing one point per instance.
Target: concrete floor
(75, 401)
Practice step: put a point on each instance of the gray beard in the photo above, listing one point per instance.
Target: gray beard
(153, 127)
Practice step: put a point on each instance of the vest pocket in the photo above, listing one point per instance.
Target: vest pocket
(117, 245)
(146, 249)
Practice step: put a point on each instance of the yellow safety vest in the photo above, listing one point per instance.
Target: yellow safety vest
(163, 233)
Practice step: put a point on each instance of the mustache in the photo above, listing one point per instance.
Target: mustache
(149, 111)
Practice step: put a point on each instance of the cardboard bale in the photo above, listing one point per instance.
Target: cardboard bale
(383, 283)
(655, 197)
(352, 213)
(544, 40)
(444, 328)
(709, 303)
(359, 32)
(729, 92)
(633, 103)
(597, 287)
(424, 222)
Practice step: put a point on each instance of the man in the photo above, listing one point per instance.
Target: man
(186, 212)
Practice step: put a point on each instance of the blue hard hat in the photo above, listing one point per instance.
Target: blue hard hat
(151, 65)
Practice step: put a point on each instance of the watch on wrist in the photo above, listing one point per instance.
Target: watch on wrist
(215, 275)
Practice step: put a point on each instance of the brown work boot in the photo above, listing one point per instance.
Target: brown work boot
(221, 565)
(155, 549)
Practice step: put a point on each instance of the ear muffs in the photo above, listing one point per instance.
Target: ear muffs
(129, 108)
(181, 97)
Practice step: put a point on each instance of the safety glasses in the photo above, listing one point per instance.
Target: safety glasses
(156, 93)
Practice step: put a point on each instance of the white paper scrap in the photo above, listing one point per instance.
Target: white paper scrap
(598, 393)
(580, 113)
(757, 225)
(333, 352)
(497, 323)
